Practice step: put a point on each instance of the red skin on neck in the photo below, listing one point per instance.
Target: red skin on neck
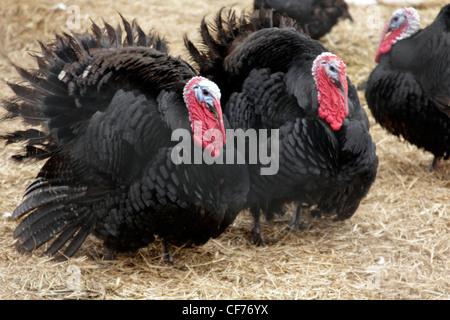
(333, 104)
(386, 44)
(209, 132)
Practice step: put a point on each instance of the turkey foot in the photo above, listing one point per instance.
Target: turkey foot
(297, 222)
(167, 255)
(258, 238)
(435, 164)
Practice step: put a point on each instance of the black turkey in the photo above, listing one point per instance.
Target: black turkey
(317, 16)
(275, 77)
(408, 92)
(109, 108)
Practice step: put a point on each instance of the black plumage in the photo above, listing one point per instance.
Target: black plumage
(317, 16)
(265, 64)
(408, 92)
(108, 108)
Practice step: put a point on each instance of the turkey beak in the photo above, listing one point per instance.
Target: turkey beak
(339, 85)
(211, 105)
(213, 109)
(387, 28)
(343, 88)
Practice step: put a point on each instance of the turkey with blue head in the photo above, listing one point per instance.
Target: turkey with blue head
(408, 92)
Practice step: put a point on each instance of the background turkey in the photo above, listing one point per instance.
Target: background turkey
(318, 16)
(109, 108)
(278, 78)
(408, 92)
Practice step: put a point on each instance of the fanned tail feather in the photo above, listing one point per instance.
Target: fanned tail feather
(48, 98)
(53, 211)
(226, 27)
(61, 97)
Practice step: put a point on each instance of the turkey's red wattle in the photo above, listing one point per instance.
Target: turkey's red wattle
(386, 43)
(208, 128)
(333, 102)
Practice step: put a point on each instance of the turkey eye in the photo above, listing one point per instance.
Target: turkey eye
(332, 69)
(205, 92)
(395, 19)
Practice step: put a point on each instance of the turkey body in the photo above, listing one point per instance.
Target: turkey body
(266, 66)
(318, 16)
(109, 108)
(408, 92)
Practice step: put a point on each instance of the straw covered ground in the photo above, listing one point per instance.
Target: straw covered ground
(396, 246)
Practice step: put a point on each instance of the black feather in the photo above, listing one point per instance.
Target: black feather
(263, 62)
(408, 92)
(318, 17)
(108, 107)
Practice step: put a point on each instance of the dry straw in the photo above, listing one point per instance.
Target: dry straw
(395, 247)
